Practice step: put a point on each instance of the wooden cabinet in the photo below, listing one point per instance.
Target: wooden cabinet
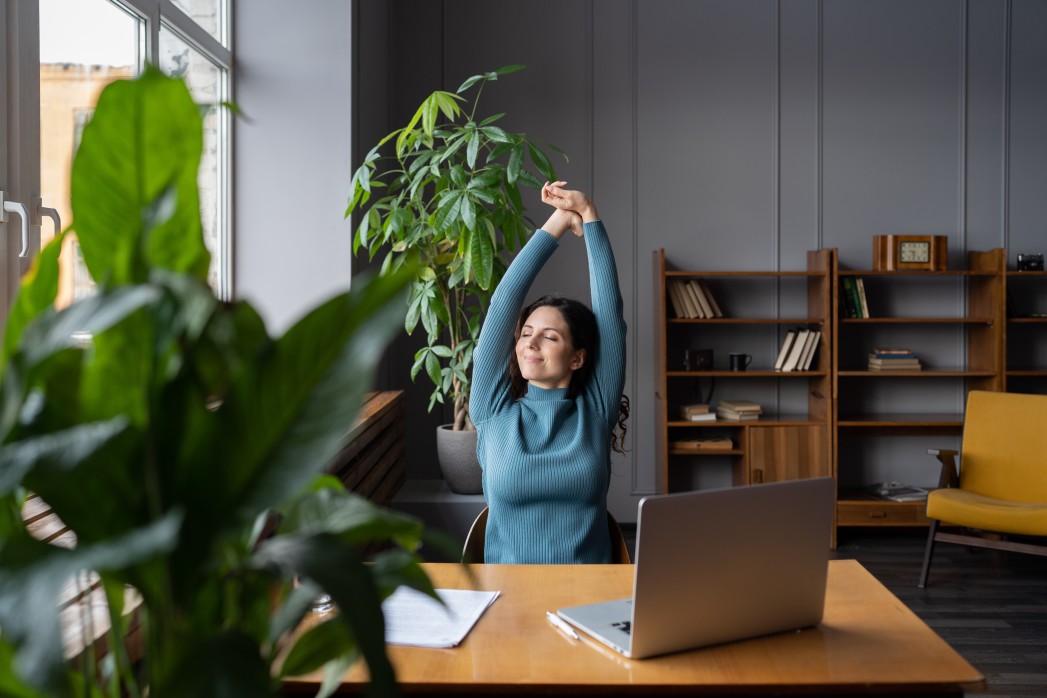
(792, 438)
(886, 419)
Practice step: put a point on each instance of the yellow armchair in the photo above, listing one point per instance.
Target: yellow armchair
(1000, 488)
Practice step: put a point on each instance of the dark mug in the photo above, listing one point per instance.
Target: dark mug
(740, 362)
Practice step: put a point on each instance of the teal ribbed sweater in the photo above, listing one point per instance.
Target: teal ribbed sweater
(546, 458)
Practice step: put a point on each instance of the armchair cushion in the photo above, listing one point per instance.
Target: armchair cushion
(964, 508)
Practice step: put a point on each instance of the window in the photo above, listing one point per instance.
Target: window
(83, 45)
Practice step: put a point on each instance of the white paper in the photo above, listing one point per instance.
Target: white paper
(414, 618)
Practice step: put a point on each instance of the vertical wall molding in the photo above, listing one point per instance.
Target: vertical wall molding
(819, 128)
(1005, 174)
(634, 145)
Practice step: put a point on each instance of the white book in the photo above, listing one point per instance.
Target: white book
(812, 349)
(784, 351)
(707, 309)
(679, 308)
(798, 346)
(688, 289)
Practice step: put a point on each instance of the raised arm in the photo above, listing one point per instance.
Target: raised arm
(609, 370)
(490, 387)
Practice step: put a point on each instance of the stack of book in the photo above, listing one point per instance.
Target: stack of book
(738, 410)
(693, 299)
(893, 359)
(697, 413)
(798, 350)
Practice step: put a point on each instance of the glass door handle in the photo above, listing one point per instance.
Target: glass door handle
(19, 209)
(51, 213)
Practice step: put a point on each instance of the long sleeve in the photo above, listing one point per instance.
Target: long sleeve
(608, 378)
(490, 387)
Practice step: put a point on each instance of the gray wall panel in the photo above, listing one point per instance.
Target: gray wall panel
(1027, 176)
(706, 130)
(740, 133)
(891, 113)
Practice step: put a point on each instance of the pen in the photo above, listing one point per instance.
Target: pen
(563, 627)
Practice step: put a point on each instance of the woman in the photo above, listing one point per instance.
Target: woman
(547, 397)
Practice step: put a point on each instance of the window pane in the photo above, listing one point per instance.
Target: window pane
(209, 14)
(74, 67)
(207, 83)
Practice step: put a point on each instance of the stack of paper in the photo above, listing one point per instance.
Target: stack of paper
(414, 618)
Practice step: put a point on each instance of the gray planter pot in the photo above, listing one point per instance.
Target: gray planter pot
(456, 451)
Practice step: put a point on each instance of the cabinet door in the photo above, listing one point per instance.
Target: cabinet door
(787, 453)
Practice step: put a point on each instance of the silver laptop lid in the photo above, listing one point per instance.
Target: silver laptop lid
(720, 565)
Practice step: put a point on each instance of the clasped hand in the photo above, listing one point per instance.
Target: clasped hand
(572, 207)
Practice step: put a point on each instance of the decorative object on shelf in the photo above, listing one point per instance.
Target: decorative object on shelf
(1030, 262)
(698, 360)
(740, 361)
(739, 410)
(907, 252)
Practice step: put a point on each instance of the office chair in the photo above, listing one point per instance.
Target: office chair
(1001, 485)
(473, 550)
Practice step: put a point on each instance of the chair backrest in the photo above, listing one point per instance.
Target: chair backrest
(1004, 450)
(473, 550)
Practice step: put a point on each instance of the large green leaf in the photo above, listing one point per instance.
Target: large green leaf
(286, 415)
(37, 294)
(134, 182)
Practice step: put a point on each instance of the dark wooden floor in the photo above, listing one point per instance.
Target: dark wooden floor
(989, 605)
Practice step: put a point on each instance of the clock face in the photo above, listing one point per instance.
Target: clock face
(914, 252)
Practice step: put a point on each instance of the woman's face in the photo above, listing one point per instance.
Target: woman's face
(546, 355)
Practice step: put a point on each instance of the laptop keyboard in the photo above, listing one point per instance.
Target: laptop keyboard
(626, 626)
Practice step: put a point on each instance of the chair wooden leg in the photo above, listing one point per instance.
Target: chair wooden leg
(928, 553)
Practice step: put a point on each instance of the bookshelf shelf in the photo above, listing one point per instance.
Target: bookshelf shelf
(744, 321)
(925, 373)
(917, 320)
(750, 373)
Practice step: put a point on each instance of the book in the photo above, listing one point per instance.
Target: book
(696, 286)
(812, 349)
(846, 289)
(863, 304)
(687, 411)
(783, 353)
(717, 312)
(740, 406)
(897, 492)
(693, 309)
(733, 416)
(692, 292)
(679, 309)
(712, 444)
(891, 350)
(797, 349)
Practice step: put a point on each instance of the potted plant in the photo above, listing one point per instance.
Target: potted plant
(450, 204)
(173, 431)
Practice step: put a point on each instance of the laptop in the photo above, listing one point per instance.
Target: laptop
(721, 565)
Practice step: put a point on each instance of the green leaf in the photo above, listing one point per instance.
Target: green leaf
(474, 148)
(37, 294)
(317, 646)
(541, 161)
(506, 70)
(481, 250)
(133, 189)
(516, 159)
(32, 574)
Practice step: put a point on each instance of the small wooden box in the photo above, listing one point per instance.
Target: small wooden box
(905, 252)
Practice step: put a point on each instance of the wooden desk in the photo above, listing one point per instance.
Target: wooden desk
(868, 642)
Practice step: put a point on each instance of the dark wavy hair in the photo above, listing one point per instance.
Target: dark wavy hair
(585, 335)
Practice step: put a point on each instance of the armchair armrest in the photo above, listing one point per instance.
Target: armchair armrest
(949, 477)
